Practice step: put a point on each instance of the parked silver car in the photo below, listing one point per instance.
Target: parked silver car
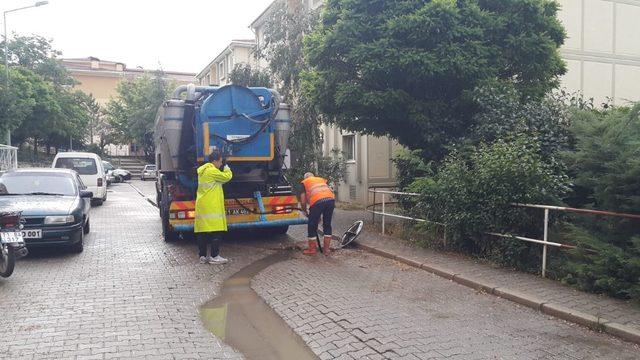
(149, 172)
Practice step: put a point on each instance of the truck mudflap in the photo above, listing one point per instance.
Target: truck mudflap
(245, 213)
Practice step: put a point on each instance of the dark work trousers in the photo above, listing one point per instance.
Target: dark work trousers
(209, 238)
(324, 208)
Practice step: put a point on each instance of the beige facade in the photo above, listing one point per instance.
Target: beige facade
(602, 49)
(218, 70)
(100, 79)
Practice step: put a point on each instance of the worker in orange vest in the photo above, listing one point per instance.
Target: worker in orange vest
(321, 201)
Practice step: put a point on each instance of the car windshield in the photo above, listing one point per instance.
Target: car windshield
(107, 166)
(150, 167)
(36, 183)
(83, 166)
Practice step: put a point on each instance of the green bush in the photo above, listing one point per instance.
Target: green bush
(472, 193)
(605, 165)
(503, 113)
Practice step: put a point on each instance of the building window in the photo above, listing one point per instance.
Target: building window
(221, 72)
(349, 147)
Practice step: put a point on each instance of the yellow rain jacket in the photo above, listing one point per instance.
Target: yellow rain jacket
(210, 214)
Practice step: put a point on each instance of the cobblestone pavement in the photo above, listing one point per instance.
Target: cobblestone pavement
(356, 306)
(622, 312)
(128, 295)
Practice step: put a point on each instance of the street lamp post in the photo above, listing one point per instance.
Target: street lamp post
(6, 51)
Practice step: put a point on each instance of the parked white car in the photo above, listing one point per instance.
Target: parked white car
(91, 170)
(114, 174)
(149, 172)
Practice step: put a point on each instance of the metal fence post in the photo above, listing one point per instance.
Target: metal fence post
(545, 239)
(373, 214)
(383, 213)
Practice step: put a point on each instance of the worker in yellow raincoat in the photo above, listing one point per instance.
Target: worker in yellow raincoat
(211, 221)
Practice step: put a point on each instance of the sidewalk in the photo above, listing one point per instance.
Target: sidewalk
(616, 317)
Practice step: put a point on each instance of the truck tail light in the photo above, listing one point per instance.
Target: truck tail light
(99, 182)
(183, 215)
(282, 209)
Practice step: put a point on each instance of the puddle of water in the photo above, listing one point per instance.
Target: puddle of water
(240, 318)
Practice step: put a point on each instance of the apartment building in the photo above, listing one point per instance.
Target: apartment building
(602, 49)
(100, 79)
(218, 70)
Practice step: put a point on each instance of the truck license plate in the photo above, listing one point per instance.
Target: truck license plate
(9, 237)
(237, 212)
(32, 234)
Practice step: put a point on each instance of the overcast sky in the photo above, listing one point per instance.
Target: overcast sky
(180, 35)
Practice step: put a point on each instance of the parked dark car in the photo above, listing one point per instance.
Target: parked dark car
(55, 205)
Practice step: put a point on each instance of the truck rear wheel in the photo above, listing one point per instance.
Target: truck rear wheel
(167, 231)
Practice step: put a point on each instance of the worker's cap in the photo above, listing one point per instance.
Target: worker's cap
(308, 175)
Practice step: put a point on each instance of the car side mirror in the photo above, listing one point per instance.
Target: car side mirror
(86, 194)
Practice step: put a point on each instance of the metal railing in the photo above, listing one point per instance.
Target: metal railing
(8, 158)
(545, 233)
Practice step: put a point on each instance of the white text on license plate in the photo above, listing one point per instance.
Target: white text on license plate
(237, 212)
(32, 234)
(9, 237)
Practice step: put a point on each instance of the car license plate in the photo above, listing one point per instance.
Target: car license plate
(9, 237)
(237, 212)
(32, 234)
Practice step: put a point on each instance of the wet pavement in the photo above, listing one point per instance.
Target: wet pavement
(356, 305)
(240, 318)
(130, 295)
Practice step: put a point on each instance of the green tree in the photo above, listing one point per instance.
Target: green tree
(287, 25)
(245, 75)
(408, 69)
(17, 102)
(132, 113)
(36, 53)
(40, 105)
(98, 128)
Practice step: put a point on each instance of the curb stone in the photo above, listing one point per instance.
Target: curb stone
(474, 283)
(519, 298)
(571, 315)
(593, 322)
(622, 331)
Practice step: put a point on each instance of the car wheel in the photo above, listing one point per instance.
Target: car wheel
(97, 202)
(87, 227)
(78, 247)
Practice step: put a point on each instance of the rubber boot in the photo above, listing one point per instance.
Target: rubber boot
(312, 249)
(327, 245)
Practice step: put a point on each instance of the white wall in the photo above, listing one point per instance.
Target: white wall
(602, 49)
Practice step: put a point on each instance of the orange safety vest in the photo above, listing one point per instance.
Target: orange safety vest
(316, 189)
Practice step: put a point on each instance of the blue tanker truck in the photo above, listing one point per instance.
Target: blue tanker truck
(251, 127)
